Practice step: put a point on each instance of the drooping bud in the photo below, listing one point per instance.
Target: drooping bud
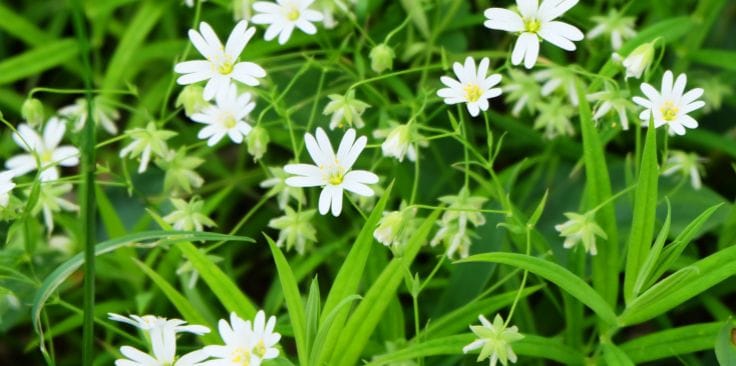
(191, 99)
(382, 58)
(257, 141)
(32, 112)
(638, 60)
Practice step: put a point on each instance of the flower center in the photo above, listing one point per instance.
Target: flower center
(260, 349)
(293, 14)
(532, 25)
(669, 111)
(46, 156)
(335, 174)
(225, 68)
(229, 121)
(472, 92)
(240, 356)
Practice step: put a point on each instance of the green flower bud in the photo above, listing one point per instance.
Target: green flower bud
(32, 112)
(382, 58)
(191, 99)
(257, 141)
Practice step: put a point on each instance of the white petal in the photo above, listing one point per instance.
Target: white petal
(561, 34)
(528, 8)
(667, 84)
(552, 9)
(532, 49)
(325, 199)
(53, 133)
(248, 73)
(691, 96)
(66, 156)
(348, 161)
(692, 106)
(503, 19)
(336, 201)
(238, 38)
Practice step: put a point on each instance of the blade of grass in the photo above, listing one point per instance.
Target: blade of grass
(37, 60)
(672, 342)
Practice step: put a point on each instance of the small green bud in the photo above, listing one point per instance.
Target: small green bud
(32, 111)
(382, 58)
(191, 99)
(257, 141)
(639, 60)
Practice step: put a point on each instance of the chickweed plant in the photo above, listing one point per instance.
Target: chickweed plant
(367, 182)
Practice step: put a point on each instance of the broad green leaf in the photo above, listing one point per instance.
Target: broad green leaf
(530, 346)
(672, 342)
(726, 344)
(598, 188)
(681, 286)
(325, 326)
(417, 15)
(369, 312)
(181, 303)
(615, 356)
(16, 25)
(653, 256)
(556, 274)
(718, 58)
(37, 60)
(294, 304)
(313, 310)
(644, 216)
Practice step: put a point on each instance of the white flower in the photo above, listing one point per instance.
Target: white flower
(396, 227)
(670, 106)
(581, 228)
(554, 117)
(611, 100)
(47, 148)
(687, 164)
(188, 215)
(400, 141)
(524, 89)
(6, 186)
(51, 200)
(244, 345)
(555, 78)
(147, 141)
(345, 108)
(494, 340)
(472, 87)
(533, 22)
(454, 232)
(332, 171)
(222, 62)
(283, 16)
(162, 333)
(180, 171)
(295, 229)
(617, 26)
(637, 61)
(227, 117)
(105, 114)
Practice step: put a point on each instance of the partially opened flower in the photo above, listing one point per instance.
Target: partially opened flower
(295, 229)
(332, 171)
(454, 230)
(188, 215)
(279, 188)
(105, 115)
(345, 110)
(6, 186)
(554, 118)
(50, 154)
(180, 173)
(533, 22)
(245, 344)
(283, 16)
(637, 61)
(494, 340)
(222, 62)
(266, 338)
(147, 142)
(688, 165)
(561, 79)
(226, 118)
(400, 140)
(611, 100)
(473, 86)
(524, 90)
(51, 200)
(615, 25)
(581, 229)
(671, 105)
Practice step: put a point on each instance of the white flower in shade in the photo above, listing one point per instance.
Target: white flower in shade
(454, 232)
(244, 344)
(614, 25)
(611, 101)
(558, 78)
(554, 118)
(188, 215)
(6, 186)
(332, 171)
(400, 140)
(162, 334)
(180, 173)
(50, 200)
(716, 89)
(637, 61)
(473, 86)
(494, 340)
(147, 142)
(396, 227)
(222, 63)
(524, 90)
(280, 189)
(535, 21)
(283, 16)
(345, 108)
(226, 117)
(687, 164)
(671, 106)
(295, 229)
(50, 154)
(105, 114)
(581, 228)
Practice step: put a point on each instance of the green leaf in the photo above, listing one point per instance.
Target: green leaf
(556, 274)
(181, 303)
(672, 342)
(313, 310)
(369, 312)
(644, 216)
(719, 58)
(598, 184)
(726, 344)
(414, 9)
(294, 304)
(348, 277)
(37, 60)
(653, 256)
(16, 25)
(615, 356)
(534, 218)
(681, 286)
(324, 328)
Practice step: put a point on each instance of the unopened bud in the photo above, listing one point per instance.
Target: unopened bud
(639, 60)
(191, 99)
(257, 141)
(382, 58)
(32, 112)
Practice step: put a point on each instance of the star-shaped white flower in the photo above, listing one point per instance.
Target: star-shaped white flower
(226, 117)
(494, 340)
(533, 22)
(332, 171)
(50, 154)
(616, 25)
(473, 87)
(222, 63)
(104, 114)
(244, 345)
(285, 15)
(671, 105)
(6, 186)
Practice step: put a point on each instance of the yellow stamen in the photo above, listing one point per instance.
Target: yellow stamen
(225, 68)
(472, 92)
(669, 111)
(229, 122)
(532, 25)
(293, 14)
(260, 349)
(240, 356)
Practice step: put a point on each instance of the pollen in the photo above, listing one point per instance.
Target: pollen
(532, 25)
(260, 349)
(669, 111)
(472, 92)
(293, 14)
(225, 68)
(240, 356)
(229, 121)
